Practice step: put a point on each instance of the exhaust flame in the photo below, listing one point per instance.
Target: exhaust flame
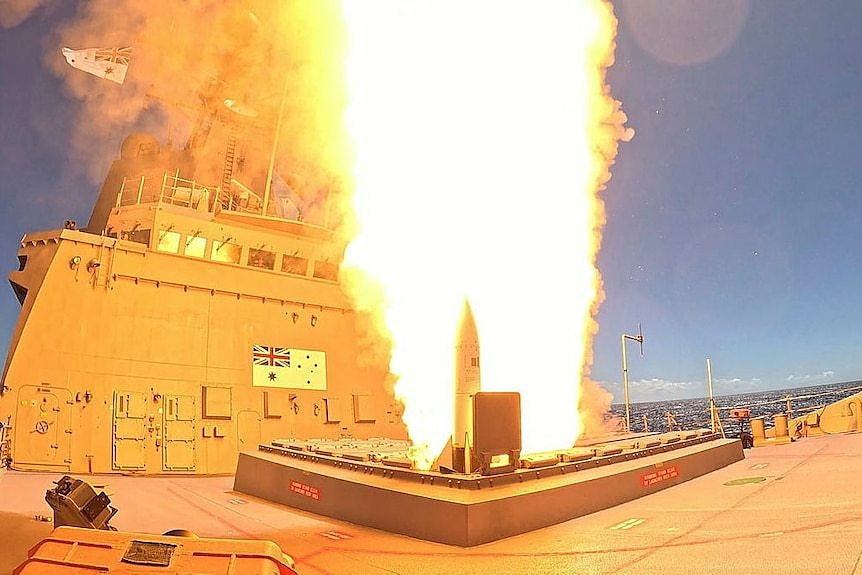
(483, 133)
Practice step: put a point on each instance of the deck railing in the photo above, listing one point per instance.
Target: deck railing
(669, 421)
(189, 193)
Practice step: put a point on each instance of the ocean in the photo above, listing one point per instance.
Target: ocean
(694, 413)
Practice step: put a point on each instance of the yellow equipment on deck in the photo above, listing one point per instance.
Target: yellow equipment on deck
(78, 550)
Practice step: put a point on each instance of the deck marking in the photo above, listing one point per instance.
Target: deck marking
(336, 535)
(773, 534)
(236, 501)
(188, 500)
(745, 481)
(759, 466)
(627, 524)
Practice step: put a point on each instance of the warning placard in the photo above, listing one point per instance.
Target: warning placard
(305, 490)
(659, 475)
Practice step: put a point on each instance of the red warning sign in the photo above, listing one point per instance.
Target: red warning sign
(305, 490)
(659, 475)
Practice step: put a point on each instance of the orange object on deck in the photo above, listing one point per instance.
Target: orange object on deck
(80, 551)
(741, 413)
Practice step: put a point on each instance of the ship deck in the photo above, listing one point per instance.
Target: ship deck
(784, 508)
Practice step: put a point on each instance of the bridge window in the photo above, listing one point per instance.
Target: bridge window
(137, 236)
(261, 259)
(226, 252)
(325, 271)
(169, 241)
(294, 265)
(196, 246)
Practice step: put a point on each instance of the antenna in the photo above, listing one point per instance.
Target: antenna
(640, 338)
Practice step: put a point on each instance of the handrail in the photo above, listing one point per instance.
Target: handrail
(669, 420)
(246, 201)
(172, 189)
(175, 190)
(786, 398)
(246, 189)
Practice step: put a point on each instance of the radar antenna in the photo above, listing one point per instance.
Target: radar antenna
(640, 339)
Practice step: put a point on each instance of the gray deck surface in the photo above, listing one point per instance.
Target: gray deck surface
(804, 516)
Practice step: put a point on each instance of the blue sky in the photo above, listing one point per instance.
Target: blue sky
(733, 217)
(734, 214)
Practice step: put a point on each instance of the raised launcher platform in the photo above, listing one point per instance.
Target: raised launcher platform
(364, 482)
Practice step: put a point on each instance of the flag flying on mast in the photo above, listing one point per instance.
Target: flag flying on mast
(108, 63)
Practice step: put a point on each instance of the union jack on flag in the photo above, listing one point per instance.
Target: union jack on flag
(114, 55)
(272, 356)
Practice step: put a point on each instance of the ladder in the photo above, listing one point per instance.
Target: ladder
(229, 160)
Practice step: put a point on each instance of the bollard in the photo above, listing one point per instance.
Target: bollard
(781, 425)
(781, 433)
(856, 410)
(757, 432)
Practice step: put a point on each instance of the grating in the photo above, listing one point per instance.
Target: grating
(149, 553)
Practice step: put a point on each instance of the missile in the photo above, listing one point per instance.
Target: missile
(467, 384)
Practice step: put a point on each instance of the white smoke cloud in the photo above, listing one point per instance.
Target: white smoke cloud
(655, 389)
(738, 382)
(808, 378)
(735, 385)
(14, 12)
(658, 384)
(661, 389)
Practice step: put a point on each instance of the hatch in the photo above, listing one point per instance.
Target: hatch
(43, 428)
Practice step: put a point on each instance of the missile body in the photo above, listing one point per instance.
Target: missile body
(467, 384)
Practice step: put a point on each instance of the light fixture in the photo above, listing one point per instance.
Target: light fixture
(74, 262)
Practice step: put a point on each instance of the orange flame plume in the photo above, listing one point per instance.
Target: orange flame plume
(483, 132)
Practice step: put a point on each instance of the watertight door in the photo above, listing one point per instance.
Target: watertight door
(43, 427)
(248, 429)
(179, 427)
(130, 410)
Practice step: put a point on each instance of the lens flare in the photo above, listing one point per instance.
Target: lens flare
(482, 132)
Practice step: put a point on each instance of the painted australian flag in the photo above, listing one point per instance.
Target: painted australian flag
(271, 356)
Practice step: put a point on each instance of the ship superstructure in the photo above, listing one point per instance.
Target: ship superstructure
(183, 324)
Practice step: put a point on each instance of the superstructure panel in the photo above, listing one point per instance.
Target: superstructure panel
(148, 346)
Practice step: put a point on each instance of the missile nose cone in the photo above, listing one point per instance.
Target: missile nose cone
(467, 375)
(467, 333)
